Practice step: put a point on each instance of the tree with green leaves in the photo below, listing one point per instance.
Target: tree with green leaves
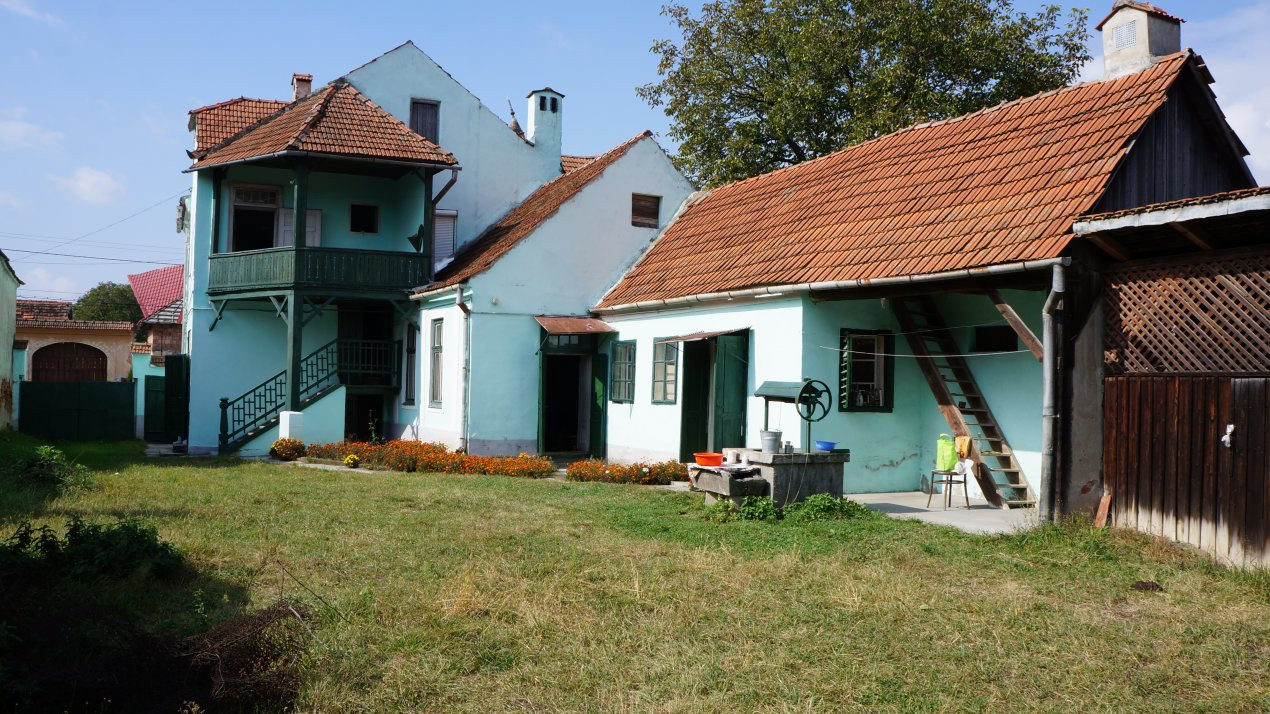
(107, 301)
(755, 85)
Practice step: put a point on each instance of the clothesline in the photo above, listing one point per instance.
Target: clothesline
(888, 354)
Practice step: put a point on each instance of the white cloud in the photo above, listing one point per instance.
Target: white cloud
(24, 8)
(8, 200)
(1237, 50)
(89, 185)
(39, 279)
(16, 134)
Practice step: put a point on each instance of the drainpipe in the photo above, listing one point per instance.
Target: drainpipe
(465, 393)
(1049, 397)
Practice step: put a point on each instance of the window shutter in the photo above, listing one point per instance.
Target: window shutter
(286, 228)
(423, 119)
(443, 227)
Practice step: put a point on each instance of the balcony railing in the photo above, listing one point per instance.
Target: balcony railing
(346, 269)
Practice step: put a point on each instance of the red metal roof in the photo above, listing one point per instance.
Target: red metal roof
(501, 237)
(156, 289)
(336, 119)
(566, 325)
(997, 186)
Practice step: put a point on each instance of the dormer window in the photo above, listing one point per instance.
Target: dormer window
(645, 210)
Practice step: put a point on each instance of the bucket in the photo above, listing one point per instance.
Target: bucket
(771, 441)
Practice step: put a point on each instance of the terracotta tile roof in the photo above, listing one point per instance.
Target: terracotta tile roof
(156, 289)
(997, 186)
(43, 309)
(1182, 203)
(337, 120)
(501, 237)
(141, 348)
(217, 122)
(572, 163)
(72, 325)
(1143, 6)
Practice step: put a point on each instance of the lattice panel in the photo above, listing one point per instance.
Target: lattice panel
(1189, 316)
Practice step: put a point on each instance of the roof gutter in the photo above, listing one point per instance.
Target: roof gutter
(428, 294)
(296, 154)
(775, 290)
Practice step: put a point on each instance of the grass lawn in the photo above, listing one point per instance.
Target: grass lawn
(488, 594)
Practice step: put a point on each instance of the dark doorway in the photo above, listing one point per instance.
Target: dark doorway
(694, 430)
(68, 362)
(563, 429)
(364, 416)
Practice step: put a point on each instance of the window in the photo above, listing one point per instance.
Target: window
(995, 338)
(363, 218)
(411, 365)
(665, 365)
(866, 371)
(645, 210)
(1125, 36)
(253, 217)
(444, 224)
(623, 379)
(425, 118)
(434, 366)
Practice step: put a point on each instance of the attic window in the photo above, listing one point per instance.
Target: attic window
(555, 105)
(363, 218)
(1125, 36)
(645, 210)
(542, 104)
(425, 119)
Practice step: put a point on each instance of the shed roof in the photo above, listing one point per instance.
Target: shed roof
(998, 186)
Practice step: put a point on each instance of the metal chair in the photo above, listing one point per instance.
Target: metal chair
(947, 479)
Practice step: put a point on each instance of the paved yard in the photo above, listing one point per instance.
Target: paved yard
(981, 517)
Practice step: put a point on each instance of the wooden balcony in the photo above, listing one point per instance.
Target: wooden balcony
(318, 269)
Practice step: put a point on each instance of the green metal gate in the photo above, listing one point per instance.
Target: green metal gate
(80, 411)
(155, 410)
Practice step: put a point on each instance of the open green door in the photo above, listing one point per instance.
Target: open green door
(599, 403)
(731, 371)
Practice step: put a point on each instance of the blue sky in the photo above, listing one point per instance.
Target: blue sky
(94, 98)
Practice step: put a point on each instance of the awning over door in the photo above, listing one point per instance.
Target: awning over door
(702, 335)
(566, 325)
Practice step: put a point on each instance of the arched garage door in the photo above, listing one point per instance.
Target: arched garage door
(68, 362)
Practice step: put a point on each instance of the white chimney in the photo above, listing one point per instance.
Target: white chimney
(1135, 36)
(545, 110)
(301, 85)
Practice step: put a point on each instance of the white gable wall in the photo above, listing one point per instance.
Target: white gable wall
(499, 168)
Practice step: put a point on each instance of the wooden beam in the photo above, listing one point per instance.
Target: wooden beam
(1020, 328)
(1190, 235)
(1110, 246)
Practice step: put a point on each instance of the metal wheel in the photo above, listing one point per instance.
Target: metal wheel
(814, 400)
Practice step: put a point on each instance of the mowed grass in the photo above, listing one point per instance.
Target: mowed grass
(488, 594)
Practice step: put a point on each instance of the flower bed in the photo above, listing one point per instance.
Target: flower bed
(419, 456)
(638, 473)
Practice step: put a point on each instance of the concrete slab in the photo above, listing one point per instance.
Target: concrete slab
(981, 517)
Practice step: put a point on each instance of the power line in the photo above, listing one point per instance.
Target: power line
(91, 257)
(99, 244)
(112, 225)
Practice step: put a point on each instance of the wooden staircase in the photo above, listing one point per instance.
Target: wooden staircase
(962, 403)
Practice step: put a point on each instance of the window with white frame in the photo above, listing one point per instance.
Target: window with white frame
(253, 217)
(411, 364)
(866, 371)
(434, 364)
(444, 225)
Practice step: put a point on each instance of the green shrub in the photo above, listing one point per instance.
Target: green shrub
(287, 449)
(758, 508)
(87, 551)
(48, 466)
(720, 512)
(823, 507)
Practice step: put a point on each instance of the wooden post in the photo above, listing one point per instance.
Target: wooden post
(425, 245)
(1020, 328)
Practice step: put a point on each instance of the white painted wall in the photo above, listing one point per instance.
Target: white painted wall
(499, 168)
(442, 423)
(323, 424)
(646, 431)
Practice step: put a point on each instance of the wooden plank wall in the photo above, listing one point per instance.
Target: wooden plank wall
(1170, 474)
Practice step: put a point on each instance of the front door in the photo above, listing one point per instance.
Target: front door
(564, 396)
(694, 427)
(715, 388)
(155, 410)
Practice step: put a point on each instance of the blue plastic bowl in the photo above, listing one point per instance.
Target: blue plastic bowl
(826, 445)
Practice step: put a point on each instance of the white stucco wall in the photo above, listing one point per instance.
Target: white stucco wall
(499, 168)
(323, 424)
(646, 431)
(440, 423)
